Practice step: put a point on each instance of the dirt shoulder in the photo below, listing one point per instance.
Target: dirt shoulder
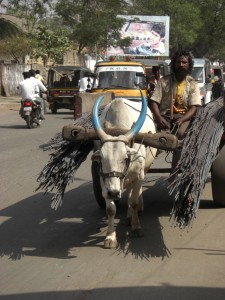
(9, 103)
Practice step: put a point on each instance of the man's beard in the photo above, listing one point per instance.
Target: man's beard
(181, 73)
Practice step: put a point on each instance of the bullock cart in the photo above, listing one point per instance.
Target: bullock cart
(125, 142)
(124, 149)
(160, 140)
(200, 146)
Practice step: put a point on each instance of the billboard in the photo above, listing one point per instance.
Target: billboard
(149, 34)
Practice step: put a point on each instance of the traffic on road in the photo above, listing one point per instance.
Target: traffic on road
(59, 253)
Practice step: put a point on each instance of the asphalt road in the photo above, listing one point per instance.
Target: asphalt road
(48, 254)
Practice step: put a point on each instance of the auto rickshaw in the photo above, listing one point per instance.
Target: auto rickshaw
(63, 86)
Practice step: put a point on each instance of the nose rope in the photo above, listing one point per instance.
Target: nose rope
(120, 175)
(123, 174)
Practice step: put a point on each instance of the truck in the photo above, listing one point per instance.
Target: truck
(202, 74)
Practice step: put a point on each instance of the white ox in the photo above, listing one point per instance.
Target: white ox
(123, 164)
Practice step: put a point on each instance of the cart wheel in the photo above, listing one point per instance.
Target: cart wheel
(97, 185)
(218, 178)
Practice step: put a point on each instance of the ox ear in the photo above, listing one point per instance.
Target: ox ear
(96, 156)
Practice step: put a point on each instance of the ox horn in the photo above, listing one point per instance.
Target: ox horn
(140, 121)
(131, 133)
(96, 121)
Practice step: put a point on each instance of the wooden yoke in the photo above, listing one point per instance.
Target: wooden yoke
(160, 140)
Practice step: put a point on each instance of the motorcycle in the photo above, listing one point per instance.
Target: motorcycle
(31, 113)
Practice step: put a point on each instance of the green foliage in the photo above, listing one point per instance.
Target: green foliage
(92, 23)
(185, 19)
(51, 45)
(211, 39)
(32, 11)
(16, 47)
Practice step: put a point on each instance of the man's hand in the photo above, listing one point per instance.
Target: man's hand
(163, 122)
(179, 121)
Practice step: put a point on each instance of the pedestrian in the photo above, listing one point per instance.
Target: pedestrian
(152, 81)
(176, 98)
(217, 88)
(85, 83)
(39, 88)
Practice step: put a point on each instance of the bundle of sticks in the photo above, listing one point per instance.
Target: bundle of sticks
(65, 159)
(199, 150)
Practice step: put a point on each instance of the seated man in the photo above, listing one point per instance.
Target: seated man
(176, 98)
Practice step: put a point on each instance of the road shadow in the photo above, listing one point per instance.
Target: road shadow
(163, 291)
(157, 203)
(32, 228)
(63, 115)
(22, 126)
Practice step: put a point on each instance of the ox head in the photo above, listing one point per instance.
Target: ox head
(131, 133)
(114, 156)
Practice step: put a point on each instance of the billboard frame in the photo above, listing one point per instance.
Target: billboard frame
(149, 34)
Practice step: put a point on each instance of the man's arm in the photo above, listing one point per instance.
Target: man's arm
(41, 86)
(159, 118)
(189, 114)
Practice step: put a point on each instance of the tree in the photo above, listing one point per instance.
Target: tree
(93, 24)
(16, 48)
(185, 18)
(51, 46)
(211, 38)
(32, 11)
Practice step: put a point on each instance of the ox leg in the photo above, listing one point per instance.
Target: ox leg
(140, 207)
(110, 240)
(135, 206)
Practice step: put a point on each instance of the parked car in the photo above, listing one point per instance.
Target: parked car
(62, 84)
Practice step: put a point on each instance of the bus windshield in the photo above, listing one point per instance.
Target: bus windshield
(119, 78)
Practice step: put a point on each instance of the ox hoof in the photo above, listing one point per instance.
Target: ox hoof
(137, 232)
(110, 244)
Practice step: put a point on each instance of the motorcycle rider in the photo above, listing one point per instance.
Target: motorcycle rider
(39, 88)
(38, 76)
(27, 89)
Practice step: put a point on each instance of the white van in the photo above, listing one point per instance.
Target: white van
(201, 73)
